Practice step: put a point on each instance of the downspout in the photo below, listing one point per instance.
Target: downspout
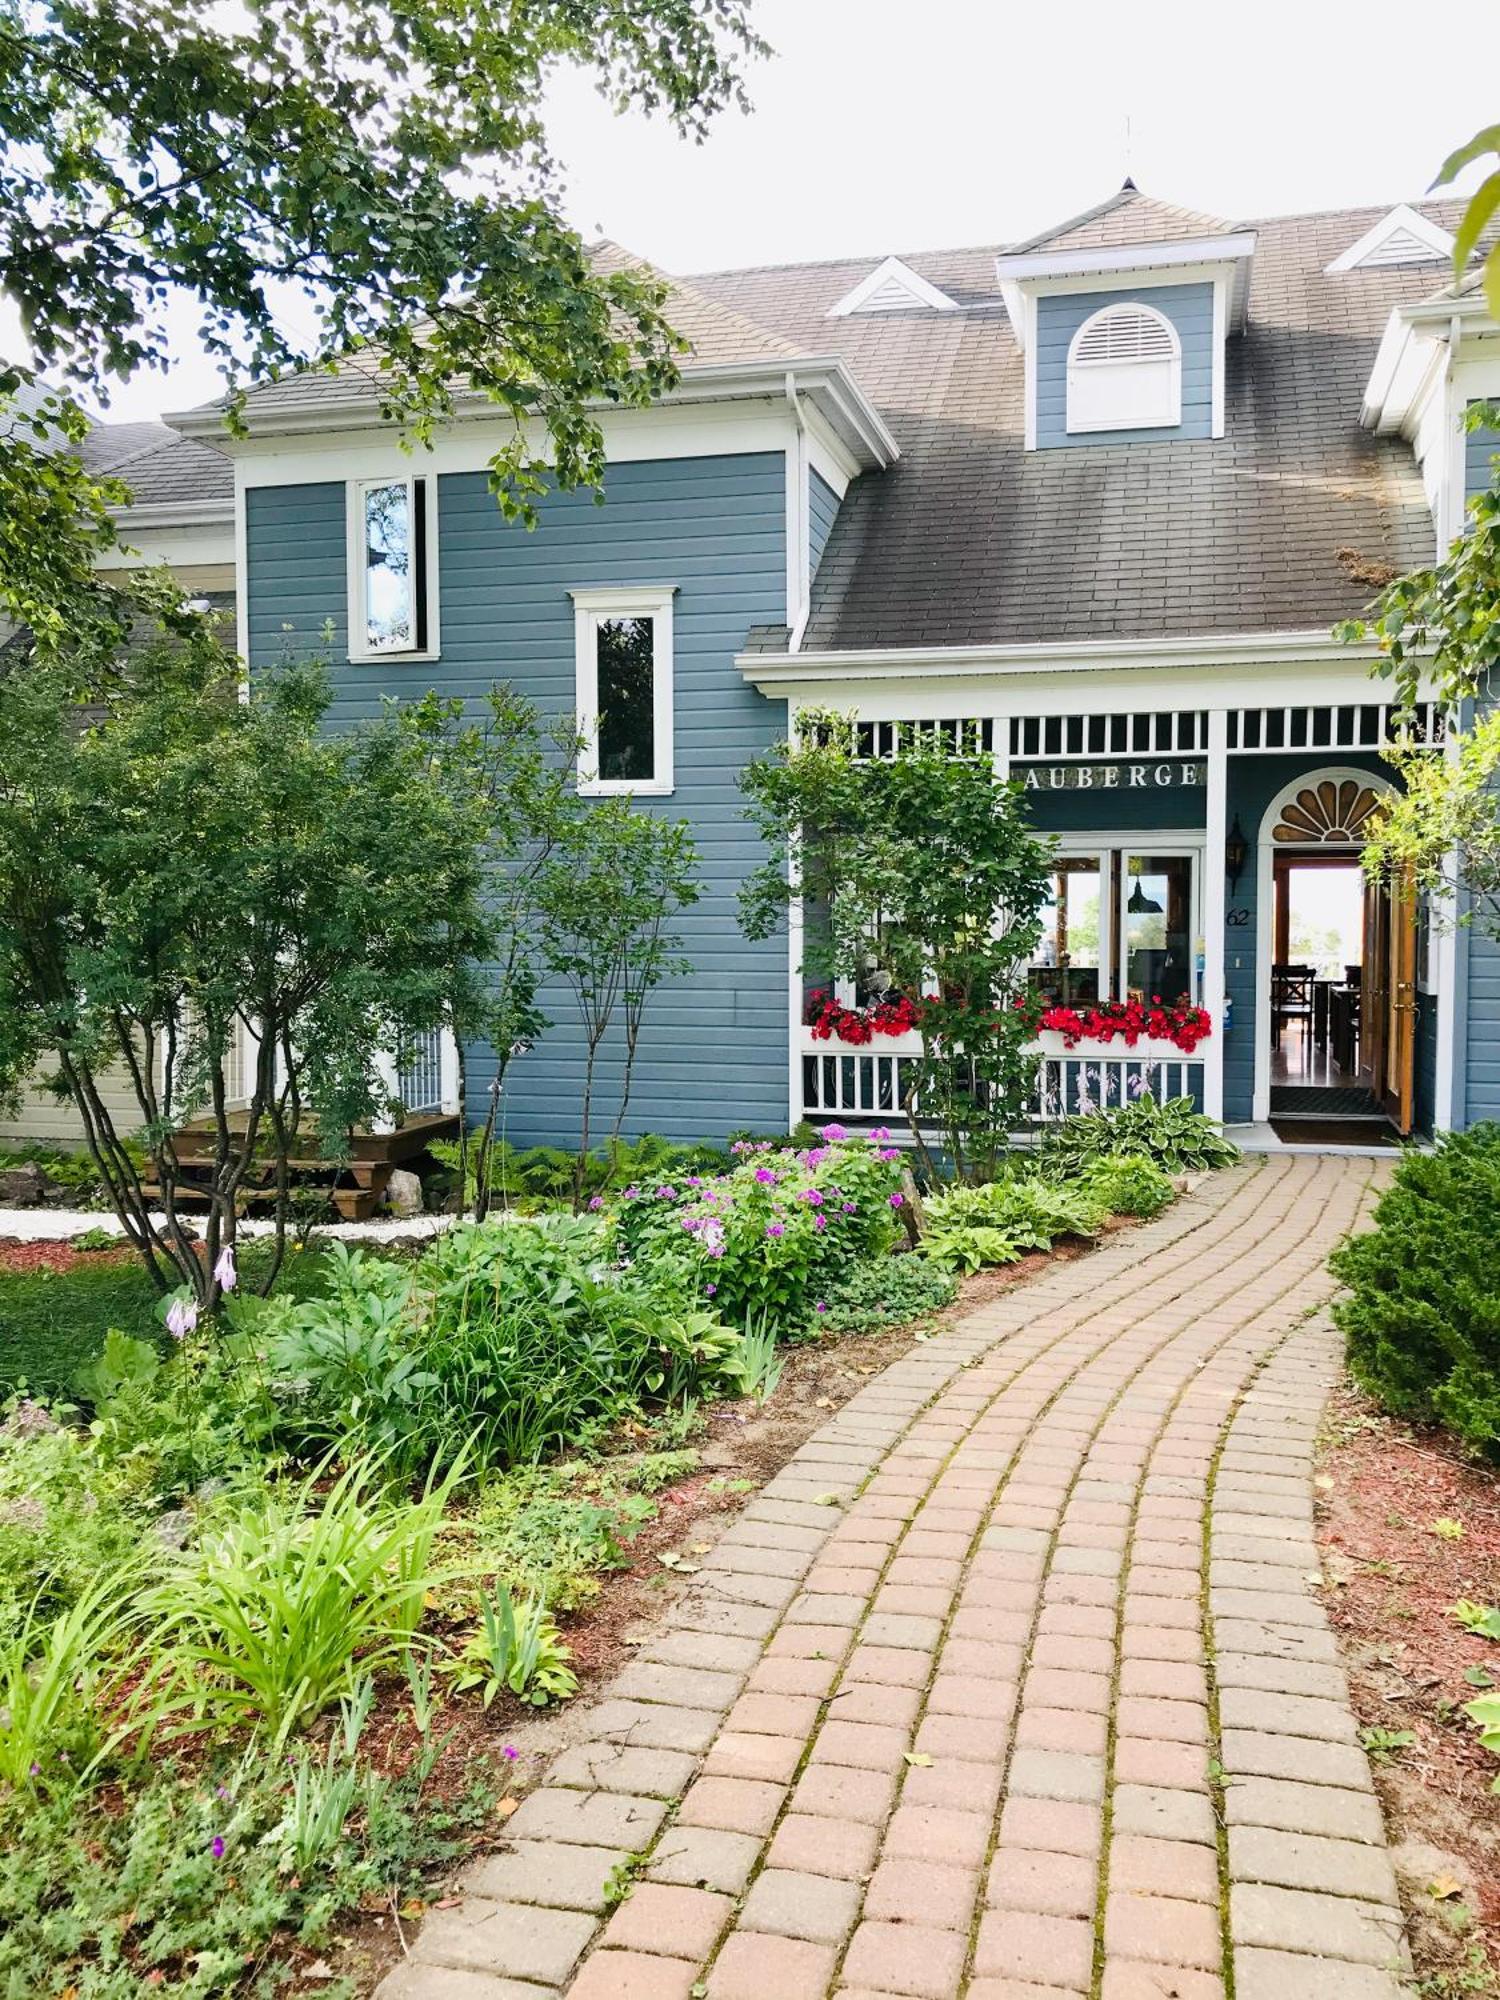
(797, 518)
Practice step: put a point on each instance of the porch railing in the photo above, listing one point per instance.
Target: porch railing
(419, 1082)
(871, 1081)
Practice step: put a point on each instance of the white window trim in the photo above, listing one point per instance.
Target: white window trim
(1126, 420)
(359, 647)
(1149, 846)
(591, 608)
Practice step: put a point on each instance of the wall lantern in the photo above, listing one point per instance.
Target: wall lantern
(1236, 848)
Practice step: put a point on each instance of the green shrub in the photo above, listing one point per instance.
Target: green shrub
(54, 1681)
(505, 1341)
(999, 1221)
(1177, 1137)
(523, 1176)
(884, 1291)
(516, 1649)
(1129, 1184)
(285, 1602)
(768, 1238)
(1422, 1314)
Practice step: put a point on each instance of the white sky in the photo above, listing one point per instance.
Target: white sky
(885, 125)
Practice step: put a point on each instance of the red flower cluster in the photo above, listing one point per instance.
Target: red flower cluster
(830, 1020)
(1183, 1025)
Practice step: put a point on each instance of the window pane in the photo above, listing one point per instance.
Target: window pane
(627, 709)
(389, 599)
(1157, 919)
(1069, 968)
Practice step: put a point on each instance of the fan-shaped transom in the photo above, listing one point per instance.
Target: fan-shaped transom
(1332, 810)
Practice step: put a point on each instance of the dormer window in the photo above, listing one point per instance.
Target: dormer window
(1125, 371)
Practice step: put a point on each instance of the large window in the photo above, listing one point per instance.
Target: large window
(624, 689)
(1121, 923)
(392, 568)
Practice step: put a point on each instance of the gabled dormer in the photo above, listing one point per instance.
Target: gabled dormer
(1123, 315)
(892, 287)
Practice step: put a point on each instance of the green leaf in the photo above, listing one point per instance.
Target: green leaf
(1482, 205)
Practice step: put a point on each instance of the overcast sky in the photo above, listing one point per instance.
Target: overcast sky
(885, 125)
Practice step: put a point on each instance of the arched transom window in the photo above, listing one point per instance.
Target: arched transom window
(1125, 371)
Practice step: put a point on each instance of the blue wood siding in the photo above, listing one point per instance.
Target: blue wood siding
(1479, 1026)
(1426, 1078)
(1190, 308)
(822, 506)
(714, 1055)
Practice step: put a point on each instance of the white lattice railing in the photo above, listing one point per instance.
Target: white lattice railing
(419, 1082)
(871, 1080)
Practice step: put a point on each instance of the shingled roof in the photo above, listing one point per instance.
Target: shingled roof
(1280, 525)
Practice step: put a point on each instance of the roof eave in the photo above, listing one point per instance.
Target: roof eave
(1105, 258)
(823, 379)
(176, 513)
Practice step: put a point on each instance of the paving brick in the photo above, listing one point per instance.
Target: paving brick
(798, 1904)
(1308, 1861)
(1058, 1885)
(678, 1687)
(753, 1965)
(632, 1975)
(1166, 1930)
(736, 1755)
(894, 1666)
(417, 1980)
(838, 1791)
(735, 1805)
(1051, 1825)
(819, 1846)
(915, 1959)
(623, 1767)
(1130, 1979)
(1250, 1753)
(703, 1857)
(588, 1819)
(923, 1892)
(510, 1940)
(1163, 1814)
(1021, 1944)
(1164, 1868)
(870, 1701)
(1297, 1920)
(968, 1787)
(866, 1746)
(938, 1833)
(1055, 1774)
(546, 1871)
(673, 1921)
(1286, 1975)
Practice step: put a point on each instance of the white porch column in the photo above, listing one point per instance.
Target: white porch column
(1443, 946)
(1216, 826)
(795, 947)
(385, 1070)
(448, 1073)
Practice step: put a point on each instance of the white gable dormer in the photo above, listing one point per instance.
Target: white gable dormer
(1402, 237)
(892, 287)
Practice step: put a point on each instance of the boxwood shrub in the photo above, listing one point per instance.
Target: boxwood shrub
(1422, 1313)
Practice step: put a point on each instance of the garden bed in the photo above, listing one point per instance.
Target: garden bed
(1392, 1575)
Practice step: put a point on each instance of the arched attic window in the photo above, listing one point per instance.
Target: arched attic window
(1125, 371)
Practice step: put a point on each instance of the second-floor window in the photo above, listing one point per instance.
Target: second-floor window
(392, 570)
(624, 689)
(1125, 371)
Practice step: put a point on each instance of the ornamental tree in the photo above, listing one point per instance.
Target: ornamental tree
(1442, 831)
(924, 865)
(383, 168)
(192, 882)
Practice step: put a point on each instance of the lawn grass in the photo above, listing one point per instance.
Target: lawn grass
(53, 1322)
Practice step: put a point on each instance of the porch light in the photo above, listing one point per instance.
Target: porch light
(1236, 848)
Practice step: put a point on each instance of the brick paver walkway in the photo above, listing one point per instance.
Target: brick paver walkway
(1013, 1684)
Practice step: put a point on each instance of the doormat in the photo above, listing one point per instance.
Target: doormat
(1334, 1132)
(1321, 1100)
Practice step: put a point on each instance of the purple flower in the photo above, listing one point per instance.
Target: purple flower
(890, 1152)
(695, 1180)
(848, 1208)
(631, 1194)
(665, 1193)
(813, 1197)
(897, 1199)
(216, 1847)
(821, 1306)
(182, 1317)
(596, 1202)
(225, 1275)
(815, 1156)
(767, 1176)
(510, 1753)
(820, 1222)
(833, 1133)
(881, 1132)
(709, 1290)
(775, 1229)
(36, 1770)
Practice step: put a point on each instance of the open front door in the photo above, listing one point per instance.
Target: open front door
(1388, 1009)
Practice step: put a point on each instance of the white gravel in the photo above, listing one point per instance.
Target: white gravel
(49, 1225)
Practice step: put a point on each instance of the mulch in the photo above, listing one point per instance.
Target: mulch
(1392, 1578)
(22, 1257)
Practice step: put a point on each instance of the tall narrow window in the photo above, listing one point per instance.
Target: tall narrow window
(390, 584)
(624, 671)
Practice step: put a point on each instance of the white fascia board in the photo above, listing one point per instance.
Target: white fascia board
(1131, 257)
(1207, 658)
(1401, 219)
(922, 294)
(176, 513)
(824, 379)
(1015, 309)
(1408, 367)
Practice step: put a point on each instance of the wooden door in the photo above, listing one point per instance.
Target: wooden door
(1388, 1002)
